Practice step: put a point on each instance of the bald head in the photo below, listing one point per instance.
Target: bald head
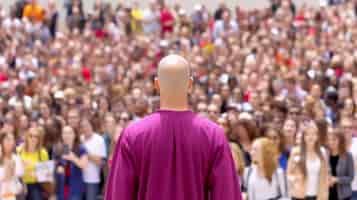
(173, 76)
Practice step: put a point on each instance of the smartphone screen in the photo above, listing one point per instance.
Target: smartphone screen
(66, 149)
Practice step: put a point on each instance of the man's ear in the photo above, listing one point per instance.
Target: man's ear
(190, 84)
(157, 84)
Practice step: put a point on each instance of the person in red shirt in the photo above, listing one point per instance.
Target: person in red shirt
(167, 21)
(3, 77)
(86, 73)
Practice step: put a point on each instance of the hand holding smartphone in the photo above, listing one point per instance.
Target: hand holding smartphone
(66, 149)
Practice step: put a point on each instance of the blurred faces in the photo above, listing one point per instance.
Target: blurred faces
(45, 111)
(290, 86)
(237, 94)
(73, 118)
(226, 16)
(70, 95)
(19, 109)
(24, 122)
(311, 135)
(68, 135)
(124, 119)
(103, 105)
(213, 112)
(202, 108)
(348, 108)
(217, 100)
(84, 77)
(8, 144)
(2, 104)
(298, 138)
(86, 128)
(347, 127)
(319, 111)
(33, 139)
(289, 133)
(243, 133)
(355, 92)
(136, 93)
(333, 143)
(254, 100)
(110, 124)
(274, 136)
(224, 124)
(289, 128)
(225, 92)
(316, 91)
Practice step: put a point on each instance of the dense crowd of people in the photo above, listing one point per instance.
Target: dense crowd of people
(281, 81)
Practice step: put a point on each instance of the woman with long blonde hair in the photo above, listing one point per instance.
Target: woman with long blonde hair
(307, 167)
(238, 158)
(264, 180)
(31, 153)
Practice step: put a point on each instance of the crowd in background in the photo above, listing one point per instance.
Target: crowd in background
(281, 81)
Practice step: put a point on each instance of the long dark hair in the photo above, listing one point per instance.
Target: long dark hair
(317, 148)
(250, 127)
(322, 126)
(53, 130)
(76, 142)
(342, 148)
(2, 138)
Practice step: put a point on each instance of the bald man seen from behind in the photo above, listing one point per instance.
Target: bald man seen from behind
(173, 154)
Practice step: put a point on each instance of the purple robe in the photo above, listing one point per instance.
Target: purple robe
(173, 155)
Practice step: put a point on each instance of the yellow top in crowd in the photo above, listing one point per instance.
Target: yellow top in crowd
(30, 160)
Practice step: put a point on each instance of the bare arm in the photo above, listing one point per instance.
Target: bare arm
(81, 162)
(96, 159)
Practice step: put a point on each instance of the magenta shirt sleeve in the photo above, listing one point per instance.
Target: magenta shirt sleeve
(121, 183)
(223, 180)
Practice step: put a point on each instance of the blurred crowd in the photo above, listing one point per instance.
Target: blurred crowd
(281, 81)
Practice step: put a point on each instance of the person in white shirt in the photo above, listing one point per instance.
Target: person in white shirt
(151, 15)
(293, 89)
(11, 169)
(351, 142)
(225, 26)
(264, 180)
(21, 97)
(95, 147)
(307, 171)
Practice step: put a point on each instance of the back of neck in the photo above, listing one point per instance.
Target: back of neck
(175, 105)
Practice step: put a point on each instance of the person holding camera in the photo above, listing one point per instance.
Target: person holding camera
(71, 160)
